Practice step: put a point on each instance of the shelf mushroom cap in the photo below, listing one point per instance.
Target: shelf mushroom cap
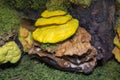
(47, 13)
(53, 20)
(55, 33)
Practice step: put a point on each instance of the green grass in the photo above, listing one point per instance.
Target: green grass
(27, 69)
(9, 19)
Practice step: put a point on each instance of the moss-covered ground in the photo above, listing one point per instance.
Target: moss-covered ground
(28, 69)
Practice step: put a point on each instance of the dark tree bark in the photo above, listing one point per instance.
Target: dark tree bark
(99, 20)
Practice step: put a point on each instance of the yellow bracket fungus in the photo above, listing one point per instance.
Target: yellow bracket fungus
(117, 38)
(118, 31)
(116, 52)
(117, 41)
(53, 20)
(55, 33)
(47, 13)
(9, 52)
(25, 38)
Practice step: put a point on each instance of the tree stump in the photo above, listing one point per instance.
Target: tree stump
(99, 20)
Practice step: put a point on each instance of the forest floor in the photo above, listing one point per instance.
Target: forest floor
(28, 69)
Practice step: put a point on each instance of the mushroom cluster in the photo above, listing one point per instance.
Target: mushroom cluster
(25, 34)
(9, 52)
(116, 50)
(25, 38)
(69, 45)
(54, 26)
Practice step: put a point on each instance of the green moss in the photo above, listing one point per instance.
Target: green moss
(50, 4)
(51, 47)
(65, 4)
(27, 4)
(118, 1)
(57, 5)
(117, 4)
(9, 19)
(117, 23)
(83, 3)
